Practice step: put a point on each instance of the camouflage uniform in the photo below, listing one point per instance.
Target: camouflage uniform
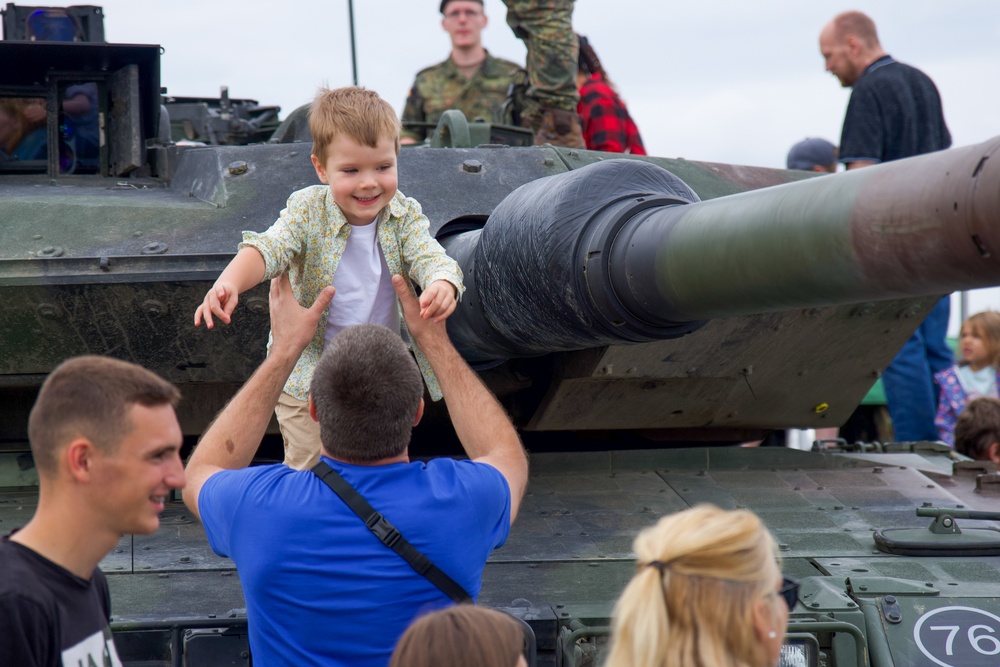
(546, 27)
(442, 87)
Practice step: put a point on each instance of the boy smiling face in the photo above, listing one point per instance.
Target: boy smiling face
(362, 179)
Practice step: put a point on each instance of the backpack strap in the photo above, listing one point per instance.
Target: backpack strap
(388, 534)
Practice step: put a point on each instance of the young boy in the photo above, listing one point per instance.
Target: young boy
(355, 234)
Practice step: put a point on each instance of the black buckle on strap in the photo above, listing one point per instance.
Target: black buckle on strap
(383, 530)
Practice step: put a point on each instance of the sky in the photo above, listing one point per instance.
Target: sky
(716, 80)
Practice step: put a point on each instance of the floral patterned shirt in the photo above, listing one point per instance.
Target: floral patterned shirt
(953, 399)
(308, 240)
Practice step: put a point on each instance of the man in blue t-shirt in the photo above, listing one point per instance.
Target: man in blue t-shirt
(894, 113)
(320, 588)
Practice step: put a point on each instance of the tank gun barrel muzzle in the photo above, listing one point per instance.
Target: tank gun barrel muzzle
(916, 227)
(624, 251)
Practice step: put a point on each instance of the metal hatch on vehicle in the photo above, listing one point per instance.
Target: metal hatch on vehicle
(943, 537)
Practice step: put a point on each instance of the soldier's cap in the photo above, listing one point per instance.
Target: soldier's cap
(811, 152)
(444, 3)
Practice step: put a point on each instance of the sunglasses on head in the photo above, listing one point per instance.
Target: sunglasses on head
(789, 591)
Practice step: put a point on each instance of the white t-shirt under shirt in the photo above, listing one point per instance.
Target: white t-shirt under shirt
(364, 285)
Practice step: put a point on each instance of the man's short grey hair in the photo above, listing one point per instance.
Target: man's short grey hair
(367, 389)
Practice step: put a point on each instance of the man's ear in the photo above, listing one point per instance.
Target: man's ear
(420, 413)
(312, 409)
(993, 453)
(79, 458)
(320, 169)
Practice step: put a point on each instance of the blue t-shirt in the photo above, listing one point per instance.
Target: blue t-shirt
(894, 112)
(320, 588)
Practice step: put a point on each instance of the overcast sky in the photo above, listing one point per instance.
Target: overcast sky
(720, 80)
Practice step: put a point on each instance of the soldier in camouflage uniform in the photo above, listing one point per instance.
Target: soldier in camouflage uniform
(546, 27)
(470, 80)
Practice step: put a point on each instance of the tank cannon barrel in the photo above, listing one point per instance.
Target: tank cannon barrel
(623, 251)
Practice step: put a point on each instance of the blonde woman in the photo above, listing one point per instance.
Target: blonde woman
(708, 591)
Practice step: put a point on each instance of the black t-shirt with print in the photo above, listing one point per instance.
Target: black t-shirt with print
(49, 617)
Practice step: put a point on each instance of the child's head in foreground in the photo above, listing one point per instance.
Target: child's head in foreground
(355, 145)
(461, 635)
(977, 432)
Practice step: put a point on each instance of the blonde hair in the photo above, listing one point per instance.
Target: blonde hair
(986, 325)
(461, 635)
(357, 112)
(700, 573)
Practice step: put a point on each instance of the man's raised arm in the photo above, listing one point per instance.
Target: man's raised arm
(480, 422)
(232, 439)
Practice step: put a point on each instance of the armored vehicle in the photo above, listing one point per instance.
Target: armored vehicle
(631, 314)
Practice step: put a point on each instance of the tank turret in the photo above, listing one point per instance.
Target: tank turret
(676, 298)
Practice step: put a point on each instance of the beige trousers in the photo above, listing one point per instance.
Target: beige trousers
(299, 432)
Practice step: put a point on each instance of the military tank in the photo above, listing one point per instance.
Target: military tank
(631, 313)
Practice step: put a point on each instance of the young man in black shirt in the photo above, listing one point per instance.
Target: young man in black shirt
(106, 444)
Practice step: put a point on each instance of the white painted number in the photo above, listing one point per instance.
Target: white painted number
(977, 641)
(959, 636)
(950, 642)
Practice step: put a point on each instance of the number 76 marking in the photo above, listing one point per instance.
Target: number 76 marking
(977, 641)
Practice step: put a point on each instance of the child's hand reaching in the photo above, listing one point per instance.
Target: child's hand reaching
(220, 301)
(438, 301)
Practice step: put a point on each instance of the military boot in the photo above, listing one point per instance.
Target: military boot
(556, 126)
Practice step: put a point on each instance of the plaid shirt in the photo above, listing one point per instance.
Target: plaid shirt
(606, 123)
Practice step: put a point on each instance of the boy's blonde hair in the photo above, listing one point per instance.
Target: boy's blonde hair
(357, 112)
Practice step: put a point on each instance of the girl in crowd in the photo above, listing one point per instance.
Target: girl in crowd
(975, 376)
(708, 591)
(459, 636)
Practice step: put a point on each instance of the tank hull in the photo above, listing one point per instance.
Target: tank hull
(569, 555)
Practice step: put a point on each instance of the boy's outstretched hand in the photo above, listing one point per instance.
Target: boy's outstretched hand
(220, 301)
(437, 301)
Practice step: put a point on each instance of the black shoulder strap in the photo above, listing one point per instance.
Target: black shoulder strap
(388, 534)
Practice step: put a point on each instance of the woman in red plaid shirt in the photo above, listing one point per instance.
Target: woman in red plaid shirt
(607, 125)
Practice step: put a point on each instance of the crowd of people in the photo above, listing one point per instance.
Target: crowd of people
(406, 540)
